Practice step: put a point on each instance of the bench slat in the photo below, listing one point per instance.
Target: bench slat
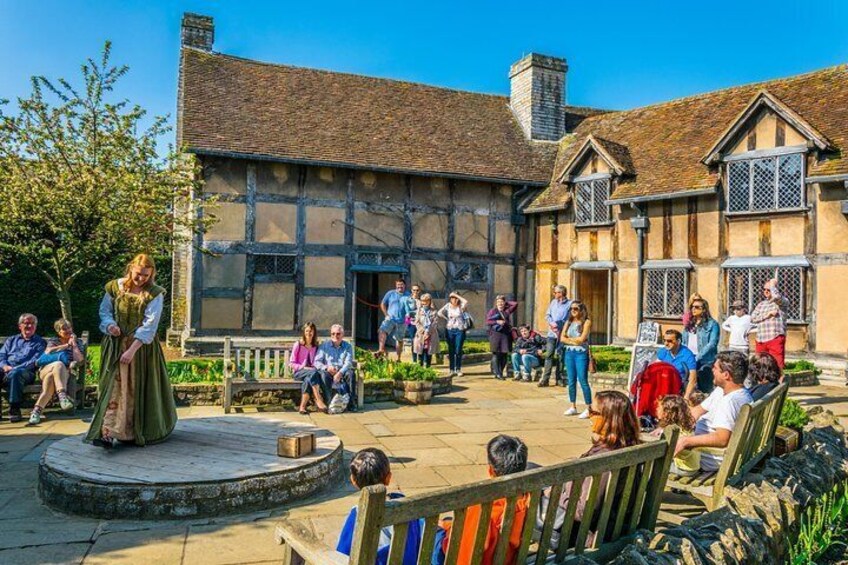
(529, 524)
(398, 544)
(456, 536)
(625, 501)
(606, 509)
(639, 499)
(588, 513)
(548, 526)
(366, 532)
(506, 528)
(568, 523)
(482, 532)
(428, 536)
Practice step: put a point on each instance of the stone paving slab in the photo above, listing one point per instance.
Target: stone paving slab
(55, 554)
(232, 543)
(144, 546)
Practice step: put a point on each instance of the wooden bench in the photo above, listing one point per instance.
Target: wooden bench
(638, 473)
(750, 441)
(77, 380)
(251, 366)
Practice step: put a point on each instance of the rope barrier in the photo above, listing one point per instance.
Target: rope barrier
(366, 303)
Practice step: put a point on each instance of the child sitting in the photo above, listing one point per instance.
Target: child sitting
(506, 455)
(370, 467)
(673, 409)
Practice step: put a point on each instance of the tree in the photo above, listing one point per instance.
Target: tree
(81, 184)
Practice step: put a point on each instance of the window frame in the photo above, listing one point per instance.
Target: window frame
(593, 204)
(666, 271)
(275, 276)
(470, 265)
(754, 296)
(777, 155)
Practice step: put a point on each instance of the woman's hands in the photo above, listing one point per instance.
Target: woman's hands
(127, 356)
(114, 330)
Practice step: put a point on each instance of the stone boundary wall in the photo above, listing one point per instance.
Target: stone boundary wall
(762, 515)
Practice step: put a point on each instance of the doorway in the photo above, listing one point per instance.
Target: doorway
(594, 288)
(369, 289)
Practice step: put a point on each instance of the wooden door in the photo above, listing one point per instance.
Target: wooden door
(593, 289)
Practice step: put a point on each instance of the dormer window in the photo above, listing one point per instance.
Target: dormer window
(590, 196)
(767, 183)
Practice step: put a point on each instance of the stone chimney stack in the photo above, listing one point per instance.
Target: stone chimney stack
(537, 96)
(198, 31)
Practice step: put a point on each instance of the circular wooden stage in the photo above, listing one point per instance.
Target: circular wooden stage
(207, 467)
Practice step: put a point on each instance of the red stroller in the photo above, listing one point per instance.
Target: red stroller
(656, 380)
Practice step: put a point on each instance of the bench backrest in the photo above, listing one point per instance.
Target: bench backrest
(255, 361)
(752, 437)
(638, 473)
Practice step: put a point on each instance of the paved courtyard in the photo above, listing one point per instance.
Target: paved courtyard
(430, 447)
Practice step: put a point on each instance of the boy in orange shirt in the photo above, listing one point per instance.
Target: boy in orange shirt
(506, 455)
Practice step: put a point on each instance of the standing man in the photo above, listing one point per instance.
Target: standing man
(682, 358)
(17, 362)
(771, 323)
(556, 316)
(413, 303)
(394, 307)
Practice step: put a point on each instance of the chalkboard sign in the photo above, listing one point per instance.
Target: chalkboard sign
(649, 332)
(643, 354)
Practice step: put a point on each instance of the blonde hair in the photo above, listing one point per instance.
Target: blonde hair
(143, 261)
(426, 297)
(61, 323)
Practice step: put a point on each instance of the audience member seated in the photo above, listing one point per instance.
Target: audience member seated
(506, 455)
(525, 353)
(371, 467)
(763, 375)
(334, 361)
(717, 414)
(614, 426)
(674, 410)
(17, 362)
(302, 365)
(682, 358)
(54, 369)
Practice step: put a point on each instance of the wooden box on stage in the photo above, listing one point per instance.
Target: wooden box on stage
(296, 445)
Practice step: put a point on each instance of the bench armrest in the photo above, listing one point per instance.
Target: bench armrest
(301, 539)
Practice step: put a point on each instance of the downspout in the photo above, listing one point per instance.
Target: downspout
(641, 224)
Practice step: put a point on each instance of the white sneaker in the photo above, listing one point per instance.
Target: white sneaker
(34, 418)
(583, 415)
(571, 411)
(459, 373)
(66, 403)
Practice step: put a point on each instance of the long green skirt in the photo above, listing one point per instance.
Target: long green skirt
(146, 400)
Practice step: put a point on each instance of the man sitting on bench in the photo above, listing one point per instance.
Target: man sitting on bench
(334, 361)
(717, 414)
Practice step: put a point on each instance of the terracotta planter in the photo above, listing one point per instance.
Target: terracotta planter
(413, 392)
(786, 440)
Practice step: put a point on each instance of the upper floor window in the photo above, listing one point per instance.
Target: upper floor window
(590, 205)
(766, 183)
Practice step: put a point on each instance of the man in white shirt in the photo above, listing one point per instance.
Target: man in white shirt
(739, 326)
(716, 416)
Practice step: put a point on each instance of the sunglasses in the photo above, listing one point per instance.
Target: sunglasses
(575, 309)
(697, 307)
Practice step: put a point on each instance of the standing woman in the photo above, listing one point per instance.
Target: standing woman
(701, 337)
(575, 340)
(457, 324)
(136, 403)
(426, 341)
(500, 333)
(302, 365)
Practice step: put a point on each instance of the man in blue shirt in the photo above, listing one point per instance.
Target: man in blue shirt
(395, 307)
(682, 358)
(334, 361)
(556, 316)
(17, 362)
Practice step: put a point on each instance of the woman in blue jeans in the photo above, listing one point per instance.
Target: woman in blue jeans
(575, 341)
(456, 319)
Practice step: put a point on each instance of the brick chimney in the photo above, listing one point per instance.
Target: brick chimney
(198, 31)
(537, 95)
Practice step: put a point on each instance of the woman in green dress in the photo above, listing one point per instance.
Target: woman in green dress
(135, 402)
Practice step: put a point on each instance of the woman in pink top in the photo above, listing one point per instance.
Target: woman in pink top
(303, 369)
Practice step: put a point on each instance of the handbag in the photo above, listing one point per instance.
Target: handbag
(47, 358)
(593, 367)
(339, 403)
(469, 321)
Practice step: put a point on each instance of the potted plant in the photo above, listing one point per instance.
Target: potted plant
(413, 384)
(793, 418)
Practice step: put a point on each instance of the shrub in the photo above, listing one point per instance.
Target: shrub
(412, 372)
(611, 359)
(823, 526)
(801, 365)
(793, 415)
(470, 346)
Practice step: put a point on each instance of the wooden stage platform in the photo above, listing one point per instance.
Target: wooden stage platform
(207, 467)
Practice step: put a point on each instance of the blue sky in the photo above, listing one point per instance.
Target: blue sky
(621, 54)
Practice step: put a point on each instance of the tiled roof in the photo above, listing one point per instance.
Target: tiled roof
(237, 106)
(666, 142)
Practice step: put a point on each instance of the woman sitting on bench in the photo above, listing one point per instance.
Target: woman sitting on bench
(302, 365)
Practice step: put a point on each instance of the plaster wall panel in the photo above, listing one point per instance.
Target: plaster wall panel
(225, 176)
(544, 281)
(381, 229)
(601, 167)
(584, 246)
(324, 272)
(766, 127)
(221, 313)
(326, 183)
(379, 188)
(430, 231)
(473, 194)
(503, 279)
(324, 311)
(276, 178)
(787, 235)
(743, 238)
(627, 241)
(325, 225)
(563, 276)
(831, 321)
(566, 242)
(707, 279)
(796, 339)
(503, 199)
(431, 275)
(544, 239)
(626, 303)
(431, 192)
(478, 306)
(230, 224)
(832, 230)
(472, 232)
(708, 229)
(224, 271)
(504, 238)
(654, 247)
(276, 223)
(605, 239)
(273, 306)
(679, 230)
